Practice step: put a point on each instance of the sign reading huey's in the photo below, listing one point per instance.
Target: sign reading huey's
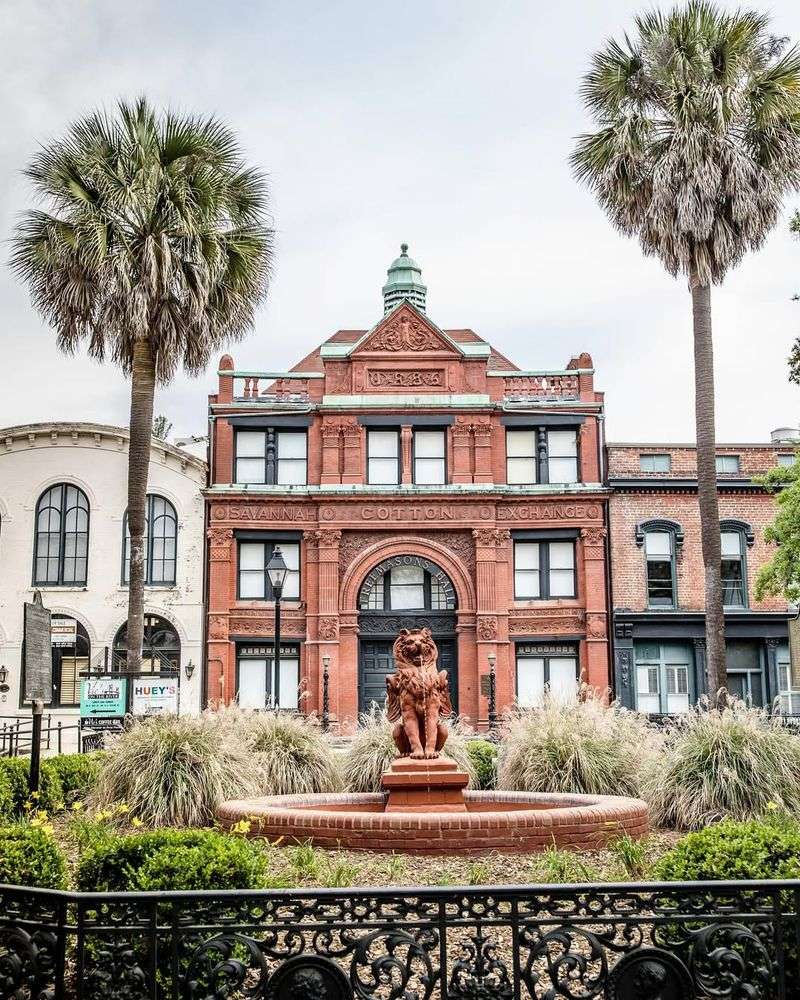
(155, 696)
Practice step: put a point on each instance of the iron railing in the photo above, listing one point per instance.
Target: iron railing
(16, 736)
(731, 941)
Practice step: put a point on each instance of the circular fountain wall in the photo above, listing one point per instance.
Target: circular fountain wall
(492, 821)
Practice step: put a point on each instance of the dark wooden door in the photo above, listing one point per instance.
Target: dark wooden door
(376, 662)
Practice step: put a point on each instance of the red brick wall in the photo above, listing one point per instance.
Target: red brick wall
(628, 561)
(754, 460)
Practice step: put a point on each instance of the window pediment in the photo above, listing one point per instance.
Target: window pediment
(659, 524)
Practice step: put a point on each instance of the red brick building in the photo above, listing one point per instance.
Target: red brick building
(658, 581)
(411, 476)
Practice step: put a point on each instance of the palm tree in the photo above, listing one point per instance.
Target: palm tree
(152, 248)
(697, 141)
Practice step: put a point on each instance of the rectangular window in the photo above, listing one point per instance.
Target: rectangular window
(429, 458)
(263, 686)
(407, 588)
(272, 457)
(521, 464)
(542, 669)
(383, 457)
(789, 693)
(727, 465)
(660, 575)
(562, 456)
(786, 461)
(662, 678)
(733, 588)
(254, 582)
(544, 569)
(655, 463)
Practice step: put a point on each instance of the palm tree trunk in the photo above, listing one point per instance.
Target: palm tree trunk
(707, 487)
(143, 384)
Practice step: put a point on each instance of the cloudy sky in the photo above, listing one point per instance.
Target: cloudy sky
(445, 123)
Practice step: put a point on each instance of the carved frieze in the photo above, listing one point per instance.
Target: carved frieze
(389, 513)
(491, 536)
(217, 627)
(595, 625)
(549, 622)
(549, 511)
(392, 624)
(219, 543)
(487, 628)
(405, 333)
(353, 543)
(329, 628)
(417, 378)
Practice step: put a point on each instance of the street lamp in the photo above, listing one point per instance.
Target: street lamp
(492, 693)
(326, 715)
(276, 571)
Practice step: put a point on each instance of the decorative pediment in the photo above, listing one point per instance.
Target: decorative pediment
(406, 331)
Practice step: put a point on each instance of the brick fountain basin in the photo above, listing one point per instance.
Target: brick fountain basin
(426, 810)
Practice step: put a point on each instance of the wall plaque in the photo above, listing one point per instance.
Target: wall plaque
(38, 647)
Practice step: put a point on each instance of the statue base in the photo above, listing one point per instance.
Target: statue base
(425, 786)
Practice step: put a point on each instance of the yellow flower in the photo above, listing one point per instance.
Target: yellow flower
(243, 826)
(136, 821)
(123, 808)
(77, 806)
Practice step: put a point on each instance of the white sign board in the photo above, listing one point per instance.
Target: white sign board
(155, 696)
(63, 631)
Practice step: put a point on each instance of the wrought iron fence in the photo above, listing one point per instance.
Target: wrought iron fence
(625, 942)
(16, 736)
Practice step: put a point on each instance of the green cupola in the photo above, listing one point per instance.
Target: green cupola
(404, 281)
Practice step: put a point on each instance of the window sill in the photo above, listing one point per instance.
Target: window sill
(523, 603)
(258, 602)
(149, 587)
(58, 588)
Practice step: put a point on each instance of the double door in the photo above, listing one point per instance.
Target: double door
(376, 662)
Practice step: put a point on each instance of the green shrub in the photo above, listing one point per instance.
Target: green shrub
(483, 755)
(723, 765)
(292, 754)
(373, 750)
(171, 859)
(755, 849)
(6, 797)
(30, 856)
(585, 747)
(175, 771)
(16, 770)
(77, 773)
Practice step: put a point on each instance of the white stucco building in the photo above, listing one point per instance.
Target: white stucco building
(63, 498)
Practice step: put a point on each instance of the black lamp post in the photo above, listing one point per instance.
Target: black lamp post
(492, 694)
(326, 715)
(276, 571)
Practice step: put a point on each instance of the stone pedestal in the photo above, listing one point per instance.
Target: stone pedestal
(426, 786)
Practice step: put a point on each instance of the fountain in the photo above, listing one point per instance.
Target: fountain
(425, 807)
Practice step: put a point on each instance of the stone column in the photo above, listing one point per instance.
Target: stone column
(353, 462)
(328, 627)
(221, 680)
(331, 445)
(482, 432)
(595, 670)
(492, 616)
(310, 681)
(406, 455)
(461, 447)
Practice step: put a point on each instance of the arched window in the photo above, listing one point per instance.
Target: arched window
(407, 583)
(661, 539)
(161, 543)
(71, 650)
(161, 648)
(61, 542)
(735, 536)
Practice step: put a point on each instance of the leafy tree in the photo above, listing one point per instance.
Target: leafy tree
(781, 575)
(697, 141)
(794, 356)
(152, 248)
(161, 427)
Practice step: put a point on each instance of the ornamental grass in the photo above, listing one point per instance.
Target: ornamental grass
(736, 764)
(585, 746)
(175, 771)
(292, 754)
(373, 749)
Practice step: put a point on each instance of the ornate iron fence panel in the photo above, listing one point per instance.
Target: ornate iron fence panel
(728, 941)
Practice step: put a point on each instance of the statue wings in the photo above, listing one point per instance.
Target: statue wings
(393, 710)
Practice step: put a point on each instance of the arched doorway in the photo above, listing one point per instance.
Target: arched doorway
(161, 648)
(404, 591)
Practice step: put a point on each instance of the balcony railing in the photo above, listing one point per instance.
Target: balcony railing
(521, 387)
(271, 387)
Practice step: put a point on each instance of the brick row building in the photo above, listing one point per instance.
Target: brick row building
(410, 476)
(415, 476)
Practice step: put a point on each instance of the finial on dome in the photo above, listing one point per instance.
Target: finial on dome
(404, 282)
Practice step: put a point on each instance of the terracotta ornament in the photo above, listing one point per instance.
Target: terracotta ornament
(418, 696)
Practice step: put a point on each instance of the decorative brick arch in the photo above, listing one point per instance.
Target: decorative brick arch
(406, 546)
